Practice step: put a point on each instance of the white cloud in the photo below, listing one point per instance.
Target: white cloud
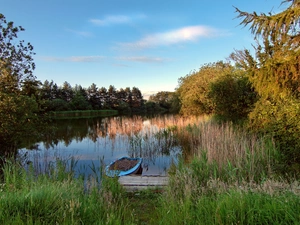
(110, 20)
(81, 33)
(116, 19)
(185, 34)
(74, 59)
(145, 59)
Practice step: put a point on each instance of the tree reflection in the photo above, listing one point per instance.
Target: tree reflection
(152, 138)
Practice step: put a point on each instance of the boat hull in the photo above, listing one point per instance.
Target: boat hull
(137, 169)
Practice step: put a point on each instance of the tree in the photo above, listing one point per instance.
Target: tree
(137, 98)
(193, 88)
(67, 92)
(167, 100)
(81, 91)
(79, 102)
(233, 96)
(16, 62)
(93, 96)
(275, 75)
(18, 111)
(18, 119)
(104, 98)
(112, 94)
(79, 99)
(128, 95)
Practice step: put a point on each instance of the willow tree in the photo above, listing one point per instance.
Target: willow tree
(275, 75)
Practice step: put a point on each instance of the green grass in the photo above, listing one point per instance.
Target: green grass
(198, 194)
(145, 206)
(233, 207)
(59, 198)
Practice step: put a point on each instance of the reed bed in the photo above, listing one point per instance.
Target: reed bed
(230, 178)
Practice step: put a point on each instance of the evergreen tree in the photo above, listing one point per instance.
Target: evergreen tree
(275, 75)
(93, 96)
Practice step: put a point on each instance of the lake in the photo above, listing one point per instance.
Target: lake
(90, 144)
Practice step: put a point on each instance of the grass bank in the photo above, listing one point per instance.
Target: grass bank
(82, 114)
(58, 198)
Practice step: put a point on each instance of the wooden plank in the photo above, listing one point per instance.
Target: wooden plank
(136, 183)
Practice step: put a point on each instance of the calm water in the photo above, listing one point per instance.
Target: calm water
(94, 143)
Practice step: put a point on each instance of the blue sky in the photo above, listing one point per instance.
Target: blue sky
(127, 43)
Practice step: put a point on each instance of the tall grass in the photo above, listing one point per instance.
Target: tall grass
(233, 207)
(229, 180)
(58, 198)
(229, 152)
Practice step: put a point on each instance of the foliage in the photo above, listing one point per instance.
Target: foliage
(16, 62)
(233, 97)
(275, 75)
(79, 102)
(162, 98)
(66, 97)
(167, 100)
(281, 119)
(193, 88)
(18, 116)
(152, 107)
(57, 105)
(18, 88)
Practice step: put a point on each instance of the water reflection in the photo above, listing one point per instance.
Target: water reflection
(95, 142)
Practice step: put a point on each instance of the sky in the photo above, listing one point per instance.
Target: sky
(148, 44)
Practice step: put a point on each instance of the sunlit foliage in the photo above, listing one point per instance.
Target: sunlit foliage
(194, 88)
(275, 75)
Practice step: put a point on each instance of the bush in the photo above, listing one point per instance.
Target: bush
(233, 97)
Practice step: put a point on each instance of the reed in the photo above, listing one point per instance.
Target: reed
(230, 149)
(229, 179)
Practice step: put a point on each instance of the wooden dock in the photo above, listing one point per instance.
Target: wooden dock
(137, 183)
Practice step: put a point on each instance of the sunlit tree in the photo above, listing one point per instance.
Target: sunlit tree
(193, 89)
(275, 74)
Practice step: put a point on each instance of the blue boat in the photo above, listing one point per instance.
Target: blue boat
(132, 166)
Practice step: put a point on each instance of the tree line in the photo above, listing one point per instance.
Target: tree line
(66, 97)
